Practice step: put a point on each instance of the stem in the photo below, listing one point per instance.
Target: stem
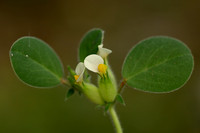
(123, 83)
(65, 82)
(115, 119)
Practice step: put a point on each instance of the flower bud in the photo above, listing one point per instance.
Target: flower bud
(112, 76)
(107, 89)
(92, 93)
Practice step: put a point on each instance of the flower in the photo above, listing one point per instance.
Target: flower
(103, 52)
(80, 68)
(95, 63)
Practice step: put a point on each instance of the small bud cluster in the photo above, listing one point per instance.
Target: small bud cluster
(106, 91)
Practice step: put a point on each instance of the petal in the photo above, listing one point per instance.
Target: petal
(100, 46)
(80, 78)
(104, 52)
(80, 68)
(92, 62)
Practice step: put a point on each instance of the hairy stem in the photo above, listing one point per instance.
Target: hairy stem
(115, 119)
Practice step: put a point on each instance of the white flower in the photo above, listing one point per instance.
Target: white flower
(103, 52)
(80, 68)
(95, 63)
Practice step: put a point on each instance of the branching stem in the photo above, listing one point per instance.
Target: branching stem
(65, 82)
(123, 83)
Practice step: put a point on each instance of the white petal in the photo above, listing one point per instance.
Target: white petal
(80, 78)
(100, 46)
(92, 62)
(80, 68)
(104, 52)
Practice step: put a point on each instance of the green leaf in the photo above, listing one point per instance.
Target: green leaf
(89, 43)
(69, 94)
(158, 64)
(120, 99)
(107, 106)
(36, 63)
(71, 71)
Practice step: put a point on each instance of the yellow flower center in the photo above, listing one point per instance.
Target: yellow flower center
(76, 77)
(102, 68)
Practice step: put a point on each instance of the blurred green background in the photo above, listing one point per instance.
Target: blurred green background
(62, 23)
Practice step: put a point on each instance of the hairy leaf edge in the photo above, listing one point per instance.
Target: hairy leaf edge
(85, 35)
(41, 87)
(160, 37)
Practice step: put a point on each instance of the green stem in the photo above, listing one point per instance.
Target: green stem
(115, 119)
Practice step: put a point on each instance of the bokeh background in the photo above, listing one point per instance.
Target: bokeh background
(62, 23)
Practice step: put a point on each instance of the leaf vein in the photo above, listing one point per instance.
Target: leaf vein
(35, 61)
(163, 62)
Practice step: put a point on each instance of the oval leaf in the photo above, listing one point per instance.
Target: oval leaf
(35, 63)
(158, 64)
(89, 43)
